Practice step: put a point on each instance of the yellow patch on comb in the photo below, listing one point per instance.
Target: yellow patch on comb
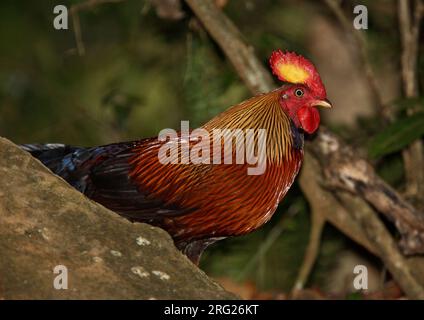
(292, 73)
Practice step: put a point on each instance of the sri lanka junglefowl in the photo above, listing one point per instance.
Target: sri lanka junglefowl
(188, 185)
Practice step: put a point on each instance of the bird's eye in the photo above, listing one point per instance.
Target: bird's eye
(298, 93)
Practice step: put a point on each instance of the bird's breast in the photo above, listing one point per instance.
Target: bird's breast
(230, 202)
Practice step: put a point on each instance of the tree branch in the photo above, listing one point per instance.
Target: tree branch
(229, 38)
(409, 27)
(345, 170)
(388, 251)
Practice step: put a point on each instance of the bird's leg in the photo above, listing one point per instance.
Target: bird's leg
(194, 249)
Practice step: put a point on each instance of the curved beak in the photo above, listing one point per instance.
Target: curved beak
(321, 103)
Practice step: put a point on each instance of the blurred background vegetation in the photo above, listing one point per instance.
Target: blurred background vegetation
(143, 70)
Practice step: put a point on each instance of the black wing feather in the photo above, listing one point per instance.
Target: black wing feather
(103, 174)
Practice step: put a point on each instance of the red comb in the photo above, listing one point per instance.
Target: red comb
(293, 68)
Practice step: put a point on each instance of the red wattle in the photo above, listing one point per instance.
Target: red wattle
(309, 119)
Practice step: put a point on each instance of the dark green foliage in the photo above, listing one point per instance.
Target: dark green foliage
(397, 135)
(401, 105)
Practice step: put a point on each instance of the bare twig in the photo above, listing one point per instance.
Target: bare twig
(75, 10)
(362, 53)
(318, 221)
(77, 32)
(409, 31)
(409, 27)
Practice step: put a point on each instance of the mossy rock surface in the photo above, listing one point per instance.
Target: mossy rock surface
(45, 223)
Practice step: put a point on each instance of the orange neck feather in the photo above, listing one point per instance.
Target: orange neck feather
(260, 112)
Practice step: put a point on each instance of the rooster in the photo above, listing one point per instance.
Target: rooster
(198, 204)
